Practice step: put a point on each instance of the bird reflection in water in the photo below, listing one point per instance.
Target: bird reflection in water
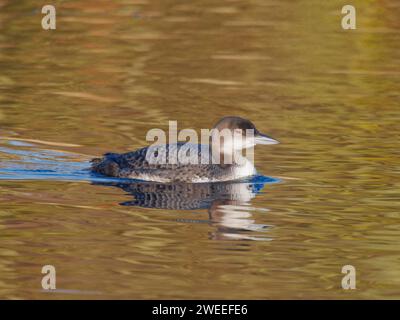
(228, 203)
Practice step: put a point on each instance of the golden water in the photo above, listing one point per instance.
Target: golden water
(114, 69)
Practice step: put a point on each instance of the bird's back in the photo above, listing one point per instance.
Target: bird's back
(155, 163)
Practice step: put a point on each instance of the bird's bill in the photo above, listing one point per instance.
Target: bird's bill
(264, 139)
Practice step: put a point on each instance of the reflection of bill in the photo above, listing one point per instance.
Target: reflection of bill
(228, 203)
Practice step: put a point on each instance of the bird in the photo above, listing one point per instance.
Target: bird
(220, 160)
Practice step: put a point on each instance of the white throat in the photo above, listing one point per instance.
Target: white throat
(244, 170)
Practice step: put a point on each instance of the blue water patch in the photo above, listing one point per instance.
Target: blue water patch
(20, 143)
(264, 179)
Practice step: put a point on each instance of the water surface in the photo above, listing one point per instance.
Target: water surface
(328, 195)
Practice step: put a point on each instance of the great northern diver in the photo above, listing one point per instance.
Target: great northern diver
(138, 165)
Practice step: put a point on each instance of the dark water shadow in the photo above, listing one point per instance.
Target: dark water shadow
(228, 203)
